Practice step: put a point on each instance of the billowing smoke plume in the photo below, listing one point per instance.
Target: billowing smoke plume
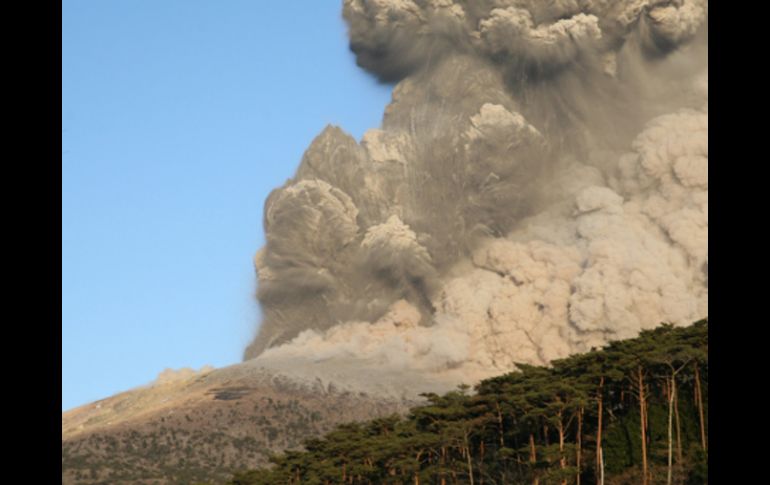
(539, 186)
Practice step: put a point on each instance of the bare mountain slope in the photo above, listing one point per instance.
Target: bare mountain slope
(194, 426)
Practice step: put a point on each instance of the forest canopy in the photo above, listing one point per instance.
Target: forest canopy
(635, 411)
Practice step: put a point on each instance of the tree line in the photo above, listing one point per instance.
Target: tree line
(635, 412)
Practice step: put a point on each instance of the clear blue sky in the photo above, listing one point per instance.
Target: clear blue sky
(178, 118)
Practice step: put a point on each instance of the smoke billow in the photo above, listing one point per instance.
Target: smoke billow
(539, 186)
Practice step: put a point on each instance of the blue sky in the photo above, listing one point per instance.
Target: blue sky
(178, 118)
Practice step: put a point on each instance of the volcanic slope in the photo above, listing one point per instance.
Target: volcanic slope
(202, 426)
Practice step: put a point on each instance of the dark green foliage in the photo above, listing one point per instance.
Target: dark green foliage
(523, 426)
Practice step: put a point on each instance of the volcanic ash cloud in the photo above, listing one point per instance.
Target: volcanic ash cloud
(538, 187)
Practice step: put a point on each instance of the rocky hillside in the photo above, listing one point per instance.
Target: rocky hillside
(191, 427)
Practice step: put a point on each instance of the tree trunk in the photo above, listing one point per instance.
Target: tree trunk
(699, 399)
(600, 402)
(678, 428)
(601, 467)
(562, 458)
(643, 425)
(671, 393)
(468, 458)
(500, 423)
(579, 444)
(417, 469)
(470, 466)
(443, 464)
